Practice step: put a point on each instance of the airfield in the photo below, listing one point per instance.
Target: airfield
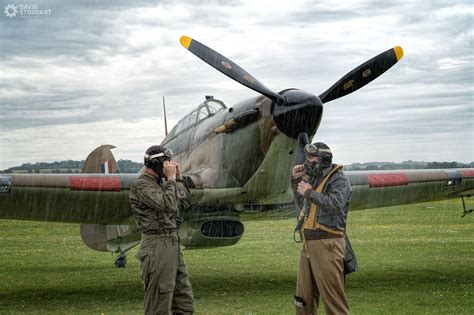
(413, 259)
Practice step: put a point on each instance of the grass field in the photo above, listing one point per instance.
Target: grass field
(415, 259)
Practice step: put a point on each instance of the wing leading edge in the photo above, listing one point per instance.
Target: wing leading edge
(373, 189)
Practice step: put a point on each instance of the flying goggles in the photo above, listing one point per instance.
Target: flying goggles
(167, 154)
(312, 150)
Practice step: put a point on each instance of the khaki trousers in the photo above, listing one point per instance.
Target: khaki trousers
(321, 274)
(164, 276)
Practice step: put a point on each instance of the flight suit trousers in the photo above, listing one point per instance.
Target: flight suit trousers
(164, 276)
(321, 274)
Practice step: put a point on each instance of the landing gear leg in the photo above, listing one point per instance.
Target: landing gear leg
(121, 260)
(464, 208)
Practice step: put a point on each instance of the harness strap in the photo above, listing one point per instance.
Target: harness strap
(310, 222)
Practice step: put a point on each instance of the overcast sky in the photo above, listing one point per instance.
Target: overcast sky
(93, 73)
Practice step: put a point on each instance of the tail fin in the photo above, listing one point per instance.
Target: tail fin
(101, 160)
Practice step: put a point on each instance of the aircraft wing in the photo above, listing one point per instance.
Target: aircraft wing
(374, 189)
(80, 198)
(103, 198)
(100, 201)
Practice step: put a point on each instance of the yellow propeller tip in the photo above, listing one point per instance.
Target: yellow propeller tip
(398, 52)
(185, 41)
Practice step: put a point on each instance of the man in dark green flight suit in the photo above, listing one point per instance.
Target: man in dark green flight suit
(156, 197)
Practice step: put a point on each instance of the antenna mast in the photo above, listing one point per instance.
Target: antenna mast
(164, 113)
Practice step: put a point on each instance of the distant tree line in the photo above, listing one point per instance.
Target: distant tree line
(128, 166)
(69, 166)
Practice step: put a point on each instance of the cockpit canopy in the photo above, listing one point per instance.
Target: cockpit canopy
(206, 109)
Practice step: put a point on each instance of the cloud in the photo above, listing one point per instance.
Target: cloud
(76, 141)
(93, 64)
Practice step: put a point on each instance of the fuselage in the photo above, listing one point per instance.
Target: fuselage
(228, 158)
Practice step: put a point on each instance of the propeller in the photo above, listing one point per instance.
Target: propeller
(228, 67)
(363, 74)
(297, 111)
(303, 140)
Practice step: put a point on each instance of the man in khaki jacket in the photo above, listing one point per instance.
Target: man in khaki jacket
(156, 197)
(323, 194)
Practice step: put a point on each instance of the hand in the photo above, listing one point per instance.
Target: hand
(298, 170)
(178, 169)
(169, 170)
(302, 187)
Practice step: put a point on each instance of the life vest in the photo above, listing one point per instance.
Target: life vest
(311, 222)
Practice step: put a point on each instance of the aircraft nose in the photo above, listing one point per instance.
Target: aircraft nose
(301, 112)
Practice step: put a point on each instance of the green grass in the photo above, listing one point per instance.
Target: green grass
(415, 259)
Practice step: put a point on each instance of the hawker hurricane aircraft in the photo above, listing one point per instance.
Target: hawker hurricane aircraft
(237, 159)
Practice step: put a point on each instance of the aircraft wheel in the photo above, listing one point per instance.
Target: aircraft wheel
(120, 262)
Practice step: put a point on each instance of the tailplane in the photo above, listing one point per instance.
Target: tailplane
(110, 238)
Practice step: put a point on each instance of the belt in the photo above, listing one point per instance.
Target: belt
(319, 235)
(163, 232)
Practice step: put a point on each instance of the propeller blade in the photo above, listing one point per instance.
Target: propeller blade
(363, 74)
(300, 158)
(228, 67)
(302, 142)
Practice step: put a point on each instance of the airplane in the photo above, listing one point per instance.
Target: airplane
(237, 160)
